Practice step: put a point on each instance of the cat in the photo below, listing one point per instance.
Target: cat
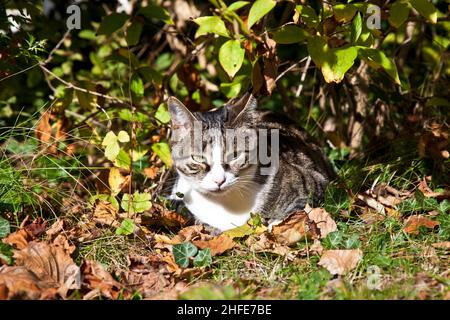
(220, 181)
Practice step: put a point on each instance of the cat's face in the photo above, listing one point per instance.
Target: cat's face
(214, 150)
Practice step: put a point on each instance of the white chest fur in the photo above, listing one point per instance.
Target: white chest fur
(225, 212)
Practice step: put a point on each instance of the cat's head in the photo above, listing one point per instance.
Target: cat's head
(215, 150)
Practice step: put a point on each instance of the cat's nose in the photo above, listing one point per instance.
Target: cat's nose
(219, 180)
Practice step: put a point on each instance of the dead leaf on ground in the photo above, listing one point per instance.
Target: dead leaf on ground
(323, 221)
(99, 282)
(218, 245)
(40, 266)
(105, 214)
(442, 245)
(264, 243)
(294, 228)
(56, 228)
(159, 216)
(151, 172)
(148, 282)
(340, 261)
(18, 239)
(413, 223)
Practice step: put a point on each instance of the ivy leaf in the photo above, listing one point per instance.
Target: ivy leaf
(258, 10)
(334, 63)
(231, 57)
(137, 86)
(237, 5)
(140, 202)
(182, 252)
(134, 33)
(426, 9)
(4, 227)
(203, 258)
(356, 28)
(211, 24)
(6, 253)
(123, 136)
(398, 13)
(289, 34)
(126, 227)
(162, 114)
(162, 150)
(344, 12)
(377, 59)
(112, 23)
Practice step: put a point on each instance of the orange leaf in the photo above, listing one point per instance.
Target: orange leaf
(414, 222)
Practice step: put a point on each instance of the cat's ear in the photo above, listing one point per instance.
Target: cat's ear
(243, 109)
(180, 115)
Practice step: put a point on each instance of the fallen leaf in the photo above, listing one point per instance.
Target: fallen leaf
(293, 229)
(36, 228)
(340, 261)
(151, 172)
(105, 214)
(147, 282)
(264, 243)
(323, 221)
(99, 281)
(218, 245)
(159, 216)
(413, 223)
(18, 239)
(442, 245)
(56, 228)
(42, 270)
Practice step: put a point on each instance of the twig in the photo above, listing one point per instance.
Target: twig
(290, 68)
(302, 79)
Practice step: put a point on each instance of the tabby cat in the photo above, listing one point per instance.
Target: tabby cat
(221, 180)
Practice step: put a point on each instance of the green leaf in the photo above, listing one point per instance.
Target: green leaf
(137, 86)
(211, 24)
(140, 202)
(258, 10)
(111, 144)
(356, 28)
(398, 13)
(336, 200)
(290, 34)
(153, 11)
(123, 136)
(112, 23)
(344, 12)
(203, 258)
(444, 207)
(134, 33)
(182, 252)
(426, 9)
(231, 57)
(4, 227)
(237, 5)
(334, 63)
(162, 114)
(162, 150)
(126, 227)
(308, 15)
(232, 89)
(87, 34)
(122, 160)
(6, 253)
(377, 59)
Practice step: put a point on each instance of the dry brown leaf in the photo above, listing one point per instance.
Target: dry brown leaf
(105, 214)
(294, 228)
(413, 223)
(159, 216)
(264, 243)
(56, 228)
(42, 270)
(442, 245)
(148, 282)
(18, 239)
(99, 281)
(151, 172)
(323, 221)
(36, 228)
(217, 245)
(340, 261)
